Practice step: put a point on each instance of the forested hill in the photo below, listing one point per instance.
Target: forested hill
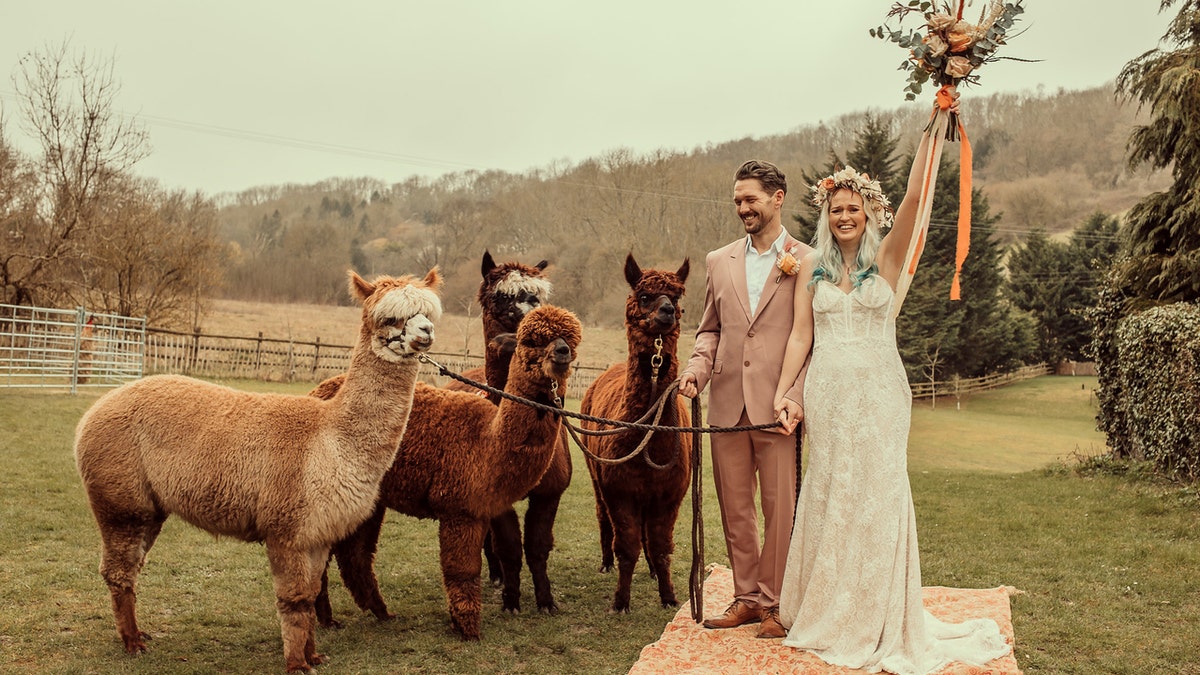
(1042, 160)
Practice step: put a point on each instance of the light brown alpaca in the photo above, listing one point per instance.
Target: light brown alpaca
(294, 472)
(463, 462)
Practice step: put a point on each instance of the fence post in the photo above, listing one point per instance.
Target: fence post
(258, 355)
(78, 341)
(316, 356)
(291, 362)
(194, 356)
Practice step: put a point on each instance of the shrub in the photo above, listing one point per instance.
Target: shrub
(1158, 351)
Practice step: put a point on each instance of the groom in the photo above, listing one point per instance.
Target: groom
(739, 349)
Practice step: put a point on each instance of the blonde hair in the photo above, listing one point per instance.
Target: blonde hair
(829, 255)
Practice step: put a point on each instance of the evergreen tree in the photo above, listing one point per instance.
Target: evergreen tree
(974, 336)
(873, 152)
(1164, 228)
(1039, 274)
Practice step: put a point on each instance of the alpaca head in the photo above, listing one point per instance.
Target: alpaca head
(652, 307)
(398, 313)
(547, 340)
(510, 291)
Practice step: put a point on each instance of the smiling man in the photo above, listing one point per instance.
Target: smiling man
(748, 308)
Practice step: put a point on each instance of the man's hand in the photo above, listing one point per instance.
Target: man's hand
(789, 413)
(687, 385)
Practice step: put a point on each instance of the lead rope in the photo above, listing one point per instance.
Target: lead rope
(696, 576)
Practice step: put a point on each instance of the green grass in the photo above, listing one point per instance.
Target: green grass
(1107, 564)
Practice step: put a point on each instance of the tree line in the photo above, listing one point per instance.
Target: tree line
(81, 229)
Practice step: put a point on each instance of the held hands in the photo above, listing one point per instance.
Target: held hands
(789, 413)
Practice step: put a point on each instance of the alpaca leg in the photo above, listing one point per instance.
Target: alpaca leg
(506, 539)
(495, 572)
(539, 541)
(660, 543)
(323, 608)
(461, 540)
(646, 549)
(356, 561)
(627, 545)
(125, 547)
(296, 576)
(604, 520)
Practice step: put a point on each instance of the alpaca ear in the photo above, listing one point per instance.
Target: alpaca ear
(633, 273)
(488, 264)
(543, 265)
(360, 289)
(683, 270)
(433, 280)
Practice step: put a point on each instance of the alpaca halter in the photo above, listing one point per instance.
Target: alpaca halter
(848, 178)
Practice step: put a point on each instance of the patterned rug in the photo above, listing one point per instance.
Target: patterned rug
(687, 647)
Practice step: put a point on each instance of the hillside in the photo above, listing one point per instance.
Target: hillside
(1043, 160)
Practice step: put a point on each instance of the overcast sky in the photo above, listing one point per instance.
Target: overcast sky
(243, 93)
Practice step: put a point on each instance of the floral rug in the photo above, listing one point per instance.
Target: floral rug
(687, 647)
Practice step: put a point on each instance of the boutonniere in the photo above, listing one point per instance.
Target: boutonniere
(786, 262)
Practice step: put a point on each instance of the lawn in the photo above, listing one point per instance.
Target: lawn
(1107, 564)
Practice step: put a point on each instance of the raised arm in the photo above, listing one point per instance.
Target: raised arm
(892, 251)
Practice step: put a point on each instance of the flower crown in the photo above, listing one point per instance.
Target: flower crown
(848, 178)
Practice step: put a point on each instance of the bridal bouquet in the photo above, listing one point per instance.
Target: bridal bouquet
(946, 48)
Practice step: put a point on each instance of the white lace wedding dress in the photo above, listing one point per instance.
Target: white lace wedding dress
(852, 588)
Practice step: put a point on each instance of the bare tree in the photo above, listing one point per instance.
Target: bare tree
(67, 105)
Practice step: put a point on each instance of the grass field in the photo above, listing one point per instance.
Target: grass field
(1107, 564)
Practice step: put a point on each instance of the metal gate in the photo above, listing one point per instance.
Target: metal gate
(64, 348)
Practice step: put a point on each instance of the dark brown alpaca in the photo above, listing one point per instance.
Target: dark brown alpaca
(636, 504)
(292, 472)
(463, 462)
(507, 292)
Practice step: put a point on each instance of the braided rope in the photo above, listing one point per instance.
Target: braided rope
(557, 410)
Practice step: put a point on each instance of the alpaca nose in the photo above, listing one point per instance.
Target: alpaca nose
(422, 334)
(562, 351)
(666, 313)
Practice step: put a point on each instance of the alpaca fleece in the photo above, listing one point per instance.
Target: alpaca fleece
(507, 292)
(637, 504)
(464, 461)
(293, 472)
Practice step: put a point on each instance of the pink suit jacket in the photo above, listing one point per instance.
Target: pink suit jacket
(740, 353)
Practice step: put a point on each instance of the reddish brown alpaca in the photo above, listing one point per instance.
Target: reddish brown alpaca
(506, 293)
(637, 504)
(292, 472)
(462, 462)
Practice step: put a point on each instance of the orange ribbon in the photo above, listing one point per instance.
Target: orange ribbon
(963, 244)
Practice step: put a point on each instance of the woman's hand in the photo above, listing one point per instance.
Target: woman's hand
(788, 413)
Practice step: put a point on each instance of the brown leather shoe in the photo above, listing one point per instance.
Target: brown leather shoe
(739, 612)
(771, 627)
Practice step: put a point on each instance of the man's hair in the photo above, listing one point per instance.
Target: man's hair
(767, 174)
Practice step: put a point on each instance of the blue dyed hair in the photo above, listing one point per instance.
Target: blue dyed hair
(829, 254)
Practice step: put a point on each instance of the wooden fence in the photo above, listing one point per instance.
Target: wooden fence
(956, 387)
(278, 360)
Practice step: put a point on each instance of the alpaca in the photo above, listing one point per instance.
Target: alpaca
(506, 293)
(293, 472)
(463, 462)
(636, 504)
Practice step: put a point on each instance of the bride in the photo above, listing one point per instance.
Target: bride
(852, 586)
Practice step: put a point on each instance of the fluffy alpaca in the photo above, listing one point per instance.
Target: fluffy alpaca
(463, 462)
(506, 293)
(293, 472)
(636, 504)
